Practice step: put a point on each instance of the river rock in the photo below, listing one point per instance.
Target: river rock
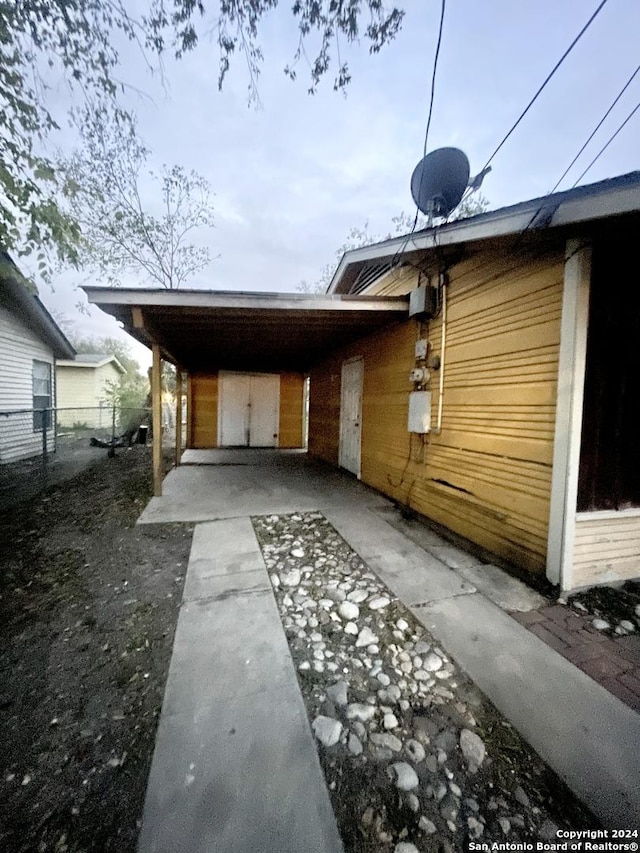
(291, 578)
(354, 744)
(405, 847)
(338, 693)
(379, 603)
(432, 662)
(348, 610)
(360, 711)
(426, 825)
(365, 638)
(327, 730)
(415, 750)
(351, 628)
(473, 749)
(406, 778)
(386, 740)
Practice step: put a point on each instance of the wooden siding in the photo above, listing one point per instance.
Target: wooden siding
(487, 475)
(291, 430)
(82, 394)
(203, 417)
(19, 346)
(606, 547)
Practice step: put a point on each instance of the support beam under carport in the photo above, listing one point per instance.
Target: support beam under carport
(178, 415)
(156, 410)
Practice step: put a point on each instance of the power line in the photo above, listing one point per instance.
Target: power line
(596, 129)
(546, 81)
(608, 142)
(401, 250)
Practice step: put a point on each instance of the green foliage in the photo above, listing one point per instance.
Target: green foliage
(74, 42)
(120, 235)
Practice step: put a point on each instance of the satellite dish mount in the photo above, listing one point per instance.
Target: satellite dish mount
(439, 180)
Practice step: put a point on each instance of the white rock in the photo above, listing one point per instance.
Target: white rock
(275, 580)
(402, 624)
(415, 750)
(332, 667)
(390, 721)
(413, 802)
(291, 578)
(349, 610)
(421, 675)
(327, 730)
(297, 552)
(378, 603)
(384, 679)
(405, 847)
(360, 711)
(475, 827)
(505, 825)
(304, 665)
(386, 740)
(427, 826)
(357, 596)
(318, 665)
(406, 667)
(600, 624)
(316, 637)
(421, 648)
(372, 649)
(455, 789)
(351, 628)
(318, 654)
(628, 626)
(473, 749)
(354, 744)
(432, 662)
(405, 776)
(365, 638)
(338, 692)
(335, 594)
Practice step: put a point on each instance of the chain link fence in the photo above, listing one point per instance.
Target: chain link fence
(39, 447)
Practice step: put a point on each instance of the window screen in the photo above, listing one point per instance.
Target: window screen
(41, 375)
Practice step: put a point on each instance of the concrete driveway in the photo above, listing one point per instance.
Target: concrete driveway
(231, 665)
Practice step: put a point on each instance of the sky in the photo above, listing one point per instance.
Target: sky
(291, 177)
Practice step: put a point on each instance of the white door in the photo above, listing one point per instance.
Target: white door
(249, 405)
(264, 410)
(351, 415)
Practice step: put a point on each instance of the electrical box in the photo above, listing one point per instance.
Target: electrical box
(420, 412)
(423, 302)
(422, 347)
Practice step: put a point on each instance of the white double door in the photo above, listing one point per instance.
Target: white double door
(249, 408)
(351, 415)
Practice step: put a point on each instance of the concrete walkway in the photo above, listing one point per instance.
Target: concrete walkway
(235, 766)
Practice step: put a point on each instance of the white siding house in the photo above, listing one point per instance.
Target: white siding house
(83, 389)
(30, 342)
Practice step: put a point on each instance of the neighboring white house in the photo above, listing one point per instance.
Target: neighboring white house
(83, 389)
(30, 343)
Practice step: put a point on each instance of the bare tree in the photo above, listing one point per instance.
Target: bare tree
(135, 223)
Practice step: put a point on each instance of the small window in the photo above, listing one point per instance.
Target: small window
(41, 376)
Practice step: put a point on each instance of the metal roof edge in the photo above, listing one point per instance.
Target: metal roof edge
(614, 197)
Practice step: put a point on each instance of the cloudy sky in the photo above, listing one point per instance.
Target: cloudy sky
(293, 176)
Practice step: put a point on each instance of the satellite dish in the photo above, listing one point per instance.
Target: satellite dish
(439, 181)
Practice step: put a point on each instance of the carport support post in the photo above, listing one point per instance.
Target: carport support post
(178, 415)
(156, 409)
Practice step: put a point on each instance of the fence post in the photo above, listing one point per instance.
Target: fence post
(112, 449)
(44, 435)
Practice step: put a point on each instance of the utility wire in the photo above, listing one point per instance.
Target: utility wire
(401, 250)
(546, 81)
(595, 130)
(608, 142)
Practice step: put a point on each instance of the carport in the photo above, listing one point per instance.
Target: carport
(205, 331)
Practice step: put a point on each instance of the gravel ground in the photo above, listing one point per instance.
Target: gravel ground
(88, 607)
(415, 757)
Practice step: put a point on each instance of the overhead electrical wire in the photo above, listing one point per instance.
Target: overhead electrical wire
(594, 131)
(608, 142)
(546, 81)
(401, 250)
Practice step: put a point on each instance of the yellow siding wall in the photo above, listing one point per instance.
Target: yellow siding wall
(487, 476)
(290, 433)
(606, 547)
(203, 418)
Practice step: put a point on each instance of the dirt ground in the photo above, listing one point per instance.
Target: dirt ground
(88, 608)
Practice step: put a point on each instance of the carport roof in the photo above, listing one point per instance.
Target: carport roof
(205, 330)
